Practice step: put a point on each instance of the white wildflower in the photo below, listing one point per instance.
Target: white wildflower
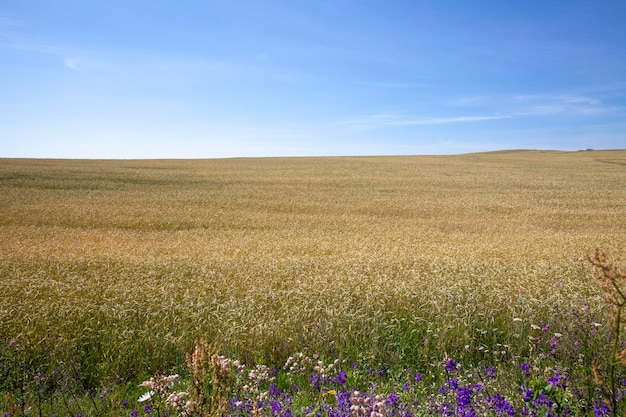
(146, 396)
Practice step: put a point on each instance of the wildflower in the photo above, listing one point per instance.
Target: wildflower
(125, 403)
(451, 365)
(392, 399)
(329, 392)
(501, 406)
(454, 384)
(418, 377)
(558, 381)
(525, 368)
(316, 381)
(490, 372)
(274, 391)
(342, 377)
(176, 400)
(601, 410)
(171, 380)
(146, 396)
(517, 319)
(464, 398)
(542, 399)
(535, 327)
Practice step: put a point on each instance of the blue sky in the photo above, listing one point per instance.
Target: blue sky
(207, 79)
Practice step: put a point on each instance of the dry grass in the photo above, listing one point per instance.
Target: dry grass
(124, 263)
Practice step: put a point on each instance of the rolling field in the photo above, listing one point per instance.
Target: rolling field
(120, 265)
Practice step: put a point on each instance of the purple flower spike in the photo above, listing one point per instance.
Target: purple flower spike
(451, 365)
(490, 372)
(342, 377)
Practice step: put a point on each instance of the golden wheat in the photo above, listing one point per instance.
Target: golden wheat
(132, 260)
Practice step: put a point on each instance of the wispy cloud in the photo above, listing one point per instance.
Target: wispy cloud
(7, 23)
(11, 38)
(7, 29)
(72, 63)
(396, 85)
(560, 104)
(537, 104)
(377, 121)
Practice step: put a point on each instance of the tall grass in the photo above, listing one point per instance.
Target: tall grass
(113, 268)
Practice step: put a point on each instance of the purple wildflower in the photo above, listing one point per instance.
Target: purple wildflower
(275, 392)
(464, 400)
(392, 399)
(418, 377)
(454, 384)
(451, 365)
(501, 406)
(343, 399)
(601, 410)
(525, 368)
(342, 377)
(276, 407)
(490, 372)
(316, 381)
(558, 381)
(542, 399)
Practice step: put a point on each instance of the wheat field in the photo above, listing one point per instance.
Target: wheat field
(121, 264)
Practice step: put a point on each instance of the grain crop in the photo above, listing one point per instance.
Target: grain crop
(120, 265)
